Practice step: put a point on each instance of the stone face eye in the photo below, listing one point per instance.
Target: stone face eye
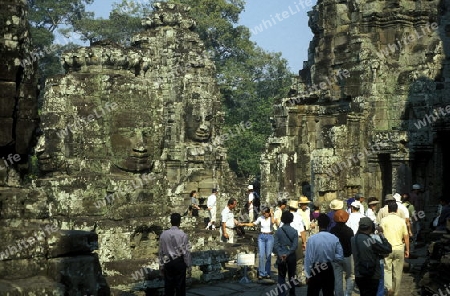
(208, 118)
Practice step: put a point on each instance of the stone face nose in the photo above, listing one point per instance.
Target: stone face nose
(139, 143)
(204, 127)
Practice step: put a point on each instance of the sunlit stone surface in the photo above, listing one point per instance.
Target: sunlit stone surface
(351, 123)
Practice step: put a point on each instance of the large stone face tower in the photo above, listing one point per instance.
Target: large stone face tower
(128, 133)
(375, 70)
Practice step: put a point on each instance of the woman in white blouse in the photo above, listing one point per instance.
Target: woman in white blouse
(265, 241)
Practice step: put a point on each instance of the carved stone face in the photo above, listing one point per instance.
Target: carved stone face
(45, 159)
(119, 130)
(136, 135)
(135, 148)
(198, 118)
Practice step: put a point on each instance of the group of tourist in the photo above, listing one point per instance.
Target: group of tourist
(323, 250)
(361, 243)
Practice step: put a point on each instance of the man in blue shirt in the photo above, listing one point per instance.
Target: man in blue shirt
(322, 249)
(285, 246)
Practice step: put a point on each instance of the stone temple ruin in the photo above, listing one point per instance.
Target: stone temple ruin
(364, 114)
(127, 132)
(124, 136)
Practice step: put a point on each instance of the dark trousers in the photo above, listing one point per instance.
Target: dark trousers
(367, 286)
(322, 278)
(175, 277)
(289, 267)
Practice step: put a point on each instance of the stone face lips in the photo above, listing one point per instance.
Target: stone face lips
(395, 55)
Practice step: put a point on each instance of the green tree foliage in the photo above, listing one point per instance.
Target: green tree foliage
(124, 20)
(50, 14)
(45, 17)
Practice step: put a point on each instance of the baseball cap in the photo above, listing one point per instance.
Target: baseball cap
(356, 204)
(365, 223)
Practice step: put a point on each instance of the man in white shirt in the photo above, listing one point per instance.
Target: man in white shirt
(360, 197)
(355, 216)
(298, 225)
(228, 222)
(278, 212)
(404, 209)
(251, 208)
(211, 203)
(305, 213)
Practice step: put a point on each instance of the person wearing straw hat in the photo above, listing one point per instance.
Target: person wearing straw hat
(383, 212)
(298, 225)
(344, 234)
(335, 204)
(372, 208)
(305, 213)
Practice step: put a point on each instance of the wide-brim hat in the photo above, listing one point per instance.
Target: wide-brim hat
(397, 197)
(374, 202)
(250, 187)
(358, 196)
(293, 204)
(416, 187)
(389, 197)
(336, 204)
(304, 200)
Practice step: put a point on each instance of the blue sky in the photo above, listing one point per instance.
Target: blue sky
(276, 26)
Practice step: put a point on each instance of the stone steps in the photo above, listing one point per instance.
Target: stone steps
(37, 285)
